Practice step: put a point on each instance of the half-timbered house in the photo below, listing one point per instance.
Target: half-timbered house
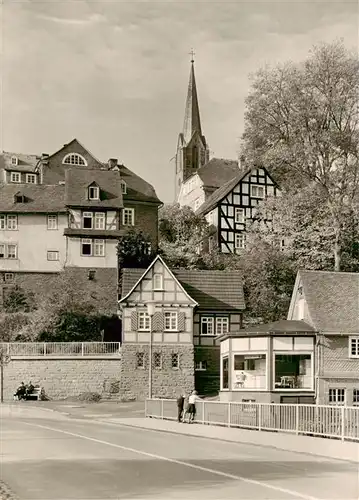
(191, 309)
(231, 207)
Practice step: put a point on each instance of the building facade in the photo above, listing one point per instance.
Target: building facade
(328, 301)
(64, 213)
(192, 308)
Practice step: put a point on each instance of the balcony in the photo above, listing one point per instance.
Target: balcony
(93, 233)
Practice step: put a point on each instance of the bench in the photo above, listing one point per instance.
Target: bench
(36, 394)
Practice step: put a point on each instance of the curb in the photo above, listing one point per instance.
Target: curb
(246, 443)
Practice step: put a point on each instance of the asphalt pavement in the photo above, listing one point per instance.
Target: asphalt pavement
(50, 456)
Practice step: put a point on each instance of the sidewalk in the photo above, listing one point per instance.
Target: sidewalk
(329, 448)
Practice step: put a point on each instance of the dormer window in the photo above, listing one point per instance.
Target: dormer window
(94, 193)
(19, 198)
(14, 161)
(123, 187)
(74, 159)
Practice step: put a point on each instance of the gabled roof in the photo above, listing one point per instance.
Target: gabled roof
(73, 142)
(39, 198)
(332, 299)
(144, 272)
(137, 188)
(212, 290)
(25, 163)
(217, 172)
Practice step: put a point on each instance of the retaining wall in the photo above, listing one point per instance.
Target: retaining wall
(63, 377)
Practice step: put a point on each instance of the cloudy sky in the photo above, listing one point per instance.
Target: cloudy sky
(114, 74)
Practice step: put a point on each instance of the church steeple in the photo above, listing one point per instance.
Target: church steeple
(192, 119)
(192, 149)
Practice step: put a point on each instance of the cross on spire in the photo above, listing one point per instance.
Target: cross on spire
(192, 54)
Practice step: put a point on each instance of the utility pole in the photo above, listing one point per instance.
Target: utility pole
(4, 360)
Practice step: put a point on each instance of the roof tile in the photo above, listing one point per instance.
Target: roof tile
(38, 198)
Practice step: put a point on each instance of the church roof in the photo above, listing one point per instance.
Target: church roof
(192, 120)
(217, 172)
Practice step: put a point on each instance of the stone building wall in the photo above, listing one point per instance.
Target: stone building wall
(166, 381)
(63, 377)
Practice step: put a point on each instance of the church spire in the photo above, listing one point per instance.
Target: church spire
(192, 120)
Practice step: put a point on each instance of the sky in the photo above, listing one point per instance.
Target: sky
(114, 74)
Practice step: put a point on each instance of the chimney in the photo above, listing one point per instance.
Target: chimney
(112, 163)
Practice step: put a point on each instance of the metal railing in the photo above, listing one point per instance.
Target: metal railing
(66, 349)
(341, 422)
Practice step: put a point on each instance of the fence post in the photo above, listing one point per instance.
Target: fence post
(297, 419)
(343, 422)
(259, 416)
(203, 410)
(82, 349)
(162, 405)
(44, 348)
(145, 407)
(229, 414)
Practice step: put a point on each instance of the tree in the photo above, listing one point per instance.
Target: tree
(17, 300)
(301, 122)
(134, 250)
(180, 234)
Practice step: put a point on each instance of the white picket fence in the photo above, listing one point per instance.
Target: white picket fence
(341, 422)
(66, 349)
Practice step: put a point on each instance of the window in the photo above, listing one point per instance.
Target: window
(293, 371)
(123, 187)
(140, 360)
(11, 222)
(87, 220)
(354, 347)
(175, 360)
(221, 326)
(99, 220)
(337, 396)
(210, 217)
(197, 204)
(11, 251)
(74, 159)
(356, 397)
(143, 322)
(2, 251)
(14, 160)
(94, 193)
(249, 371)
(207, 325)
(239, 215)
(157, 360)
(31, 178)
(19, 198)
(15, 177)
(2, 221)
(157, 282)
(86, 247)
(200, 366)
(171, 321)
(239, 241)
(224, 374)
(257, 191)
(128, 217)
(99, 247)
(9, 277)
(52, 222)
(52, 255)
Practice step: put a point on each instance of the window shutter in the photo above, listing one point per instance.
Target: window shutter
(134, 321)
(181, 322)
(158, 322)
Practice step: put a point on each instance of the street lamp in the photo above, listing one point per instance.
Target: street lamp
(4, 360)
(151, 306)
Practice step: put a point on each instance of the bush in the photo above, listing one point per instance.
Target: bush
(90, 397)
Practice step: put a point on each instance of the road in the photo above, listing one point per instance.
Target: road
(46, 456)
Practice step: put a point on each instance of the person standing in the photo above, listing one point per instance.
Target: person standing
(192, 406)
(180, 407)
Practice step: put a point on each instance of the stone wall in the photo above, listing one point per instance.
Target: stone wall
(63, 377)
(166, 381)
